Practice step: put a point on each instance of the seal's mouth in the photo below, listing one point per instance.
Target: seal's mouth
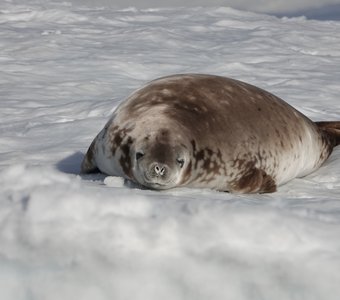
(156, 185)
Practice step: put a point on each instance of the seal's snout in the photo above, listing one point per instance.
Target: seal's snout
(158, 176)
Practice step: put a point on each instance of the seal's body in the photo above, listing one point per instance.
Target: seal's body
(209, 131)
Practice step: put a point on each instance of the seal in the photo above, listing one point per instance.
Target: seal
(206, 131)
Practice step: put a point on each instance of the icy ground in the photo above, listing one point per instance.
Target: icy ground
(64, 69)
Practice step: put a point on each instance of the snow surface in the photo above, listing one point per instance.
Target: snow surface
(63, 236)
(315, 8)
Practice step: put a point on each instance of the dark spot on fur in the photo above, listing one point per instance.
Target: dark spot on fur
(198, 155)
(117, 137)
(125, 159)
(254, 180)
(212, 163)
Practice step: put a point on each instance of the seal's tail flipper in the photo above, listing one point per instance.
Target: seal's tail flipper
(332, 129)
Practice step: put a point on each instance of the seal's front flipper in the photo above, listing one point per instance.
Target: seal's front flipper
(268, 184)
(254, 181)
(89, 165)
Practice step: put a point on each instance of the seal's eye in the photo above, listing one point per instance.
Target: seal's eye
(139, 155)
(180, 162)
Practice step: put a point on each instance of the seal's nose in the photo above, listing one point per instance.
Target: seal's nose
(158, 172)
(159, 169)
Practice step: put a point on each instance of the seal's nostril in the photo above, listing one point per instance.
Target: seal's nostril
(159, 170)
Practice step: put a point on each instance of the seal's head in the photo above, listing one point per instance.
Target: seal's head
(160, 159)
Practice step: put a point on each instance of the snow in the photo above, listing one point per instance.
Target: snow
(62, 236)
(313, 8)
